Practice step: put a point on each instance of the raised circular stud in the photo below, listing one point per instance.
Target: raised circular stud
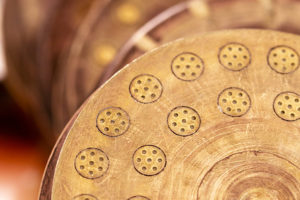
(113, 121)
(234, 56)
(138, 198)
(184, 121)
(85, 197)
(234, 102)
(187, 66)
(91, 163)
(146, 88)
(287, 106)
(283, 59)
(149, 160)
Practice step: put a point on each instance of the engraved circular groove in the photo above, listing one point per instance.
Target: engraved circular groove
(187, 66)
(184, 121)
(85, 197)
(283, 59)
(113, 121)
(149, 160)
(138, 198)
(146, 88)
(234, 102)
(91, 163)
(234, 56)
(287, 106)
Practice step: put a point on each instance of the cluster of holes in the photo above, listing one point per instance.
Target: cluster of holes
(145, 88)
(149, 160)
(91, 163)
(234, 102)
(234, 56)
(187, 66)
(113, 121)
(283, 59)
(183, 121)
(287, 106)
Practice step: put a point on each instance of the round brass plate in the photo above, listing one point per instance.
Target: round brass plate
(250, 151)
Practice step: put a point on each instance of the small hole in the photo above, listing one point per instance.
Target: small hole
(293, 64)
(159, 160)
(240, 94)
(283, 59)
(138, 159)
(239, 110)
(224, 100)
(292, 55)
(244, 103)
(154, 168)
(274, 55)
(234, 56)
(149, 160)
(177, 66)
(182, 74)
(146, 88)
(82, 157)
(123, 122)
(192, 58)
(240, 49)
(187, 66)
(292, 115)
(154, 152)
(81, 167)
(175, 114)
(153, 95)
(185, 111)
(192, 127)
(245, 57)
(100, 168)
(299, 109)
(296, 100)
(174, 124)
(229, 93)
(106, 129)
(143, 97)
(290, 106)
(280, 103)
(92, 153)
(156, 87)
(182, 58)
(144, 168)
(229, 48)
(149, 79)
(136, 90)
(193, 74)
(234, 101)
(230, 64)
(91, 172)
(91, 162)
(198, 66)
(119, 114)
(108, 113)
(275, 63)
(183, 120)
(228, 109)
(193, 117)
(182, 129)
(144, 152)
(101, 158)
(282, 112)
(112, 121)
(139, 81)
(224, 56)
(102, 120)
(283, 50)
(117, 130)
(287, 97)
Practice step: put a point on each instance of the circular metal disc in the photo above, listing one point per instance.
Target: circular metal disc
(231, 132)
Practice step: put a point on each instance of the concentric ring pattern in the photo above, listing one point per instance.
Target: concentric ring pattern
(220, 136)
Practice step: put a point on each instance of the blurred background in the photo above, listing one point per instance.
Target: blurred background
(55, 53)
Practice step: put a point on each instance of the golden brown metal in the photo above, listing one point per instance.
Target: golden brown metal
(187, 144)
